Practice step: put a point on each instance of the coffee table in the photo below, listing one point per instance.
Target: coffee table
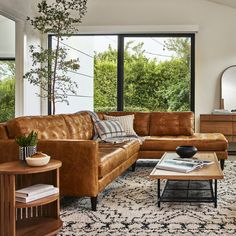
(186, 187)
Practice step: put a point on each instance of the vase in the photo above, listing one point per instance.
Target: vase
(186, 151)
(26, 152)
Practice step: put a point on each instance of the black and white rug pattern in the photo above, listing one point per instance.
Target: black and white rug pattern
(128, 206)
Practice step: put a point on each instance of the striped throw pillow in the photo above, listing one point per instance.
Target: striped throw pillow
(109, 129)
(127, 123)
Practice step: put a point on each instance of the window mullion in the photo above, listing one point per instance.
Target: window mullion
(192, 89)
(120, 73)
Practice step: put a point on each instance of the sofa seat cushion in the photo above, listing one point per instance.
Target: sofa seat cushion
(109, 159)
(131, 147)
(112, 155)
(203, 142)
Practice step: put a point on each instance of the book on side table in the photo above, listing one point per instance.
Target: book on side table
(35, 192)
(182, 165)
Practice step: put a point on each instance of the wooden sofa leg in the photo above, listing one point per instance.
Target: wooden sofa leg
(134, 166)
(222, 164)
(94, 201)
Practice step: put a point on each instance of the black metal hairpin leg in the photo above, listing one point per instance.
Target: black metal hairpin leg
(215, 193)
(94, 201)
(134, 166)
(211, 187)
(222, 164)
(158, 193)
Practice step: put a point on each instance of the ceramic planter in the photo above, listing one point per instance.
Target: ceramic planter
(26, 152)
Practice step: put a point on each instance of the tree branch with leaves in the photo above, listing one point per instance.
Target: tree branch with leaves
(50, 66)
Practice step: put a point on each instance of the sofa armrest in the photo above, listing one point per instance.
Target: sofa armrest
(9, 150)
(79, 171)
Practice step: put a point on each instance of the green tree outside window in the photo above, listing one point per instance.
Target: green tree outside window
(7, 90)
(149, 85)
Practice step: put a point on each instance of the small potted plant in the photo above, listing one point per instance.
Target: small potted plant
(27, 145)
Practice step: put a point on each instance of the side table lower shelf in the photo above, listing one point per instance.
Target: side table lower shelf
(39, 202)
(38, 226)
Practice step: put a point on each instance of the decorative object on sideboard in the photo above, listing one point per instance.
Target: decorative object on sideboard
(228, 86)
(186, 151)
(220, 112)
(27, 145)
(38, 159)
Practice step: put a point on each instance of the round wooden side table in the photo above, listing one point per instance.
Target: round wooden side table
(37, 218)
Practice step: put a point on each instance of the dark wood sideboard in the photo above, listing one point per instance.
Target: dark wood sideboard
(225, 124)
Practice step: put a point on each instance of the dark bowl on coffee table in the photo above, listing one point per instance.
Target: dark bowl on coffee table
(186, 151)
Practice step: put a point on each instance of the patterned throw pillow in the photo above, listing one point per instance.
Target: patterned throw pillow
(109, 129)
(127, 123)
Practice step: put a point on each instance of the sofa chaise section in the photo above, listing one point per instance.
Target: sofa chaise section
(164, 131)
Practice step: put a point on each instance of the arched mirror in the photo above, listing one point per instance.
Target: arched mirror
(228, 89)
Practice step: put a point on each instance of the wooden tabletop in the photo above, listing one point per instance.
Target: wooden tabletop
(21, 167)
(212, 171)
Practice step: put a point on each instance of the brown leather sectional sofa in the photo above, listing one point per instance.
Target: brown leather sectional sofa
(88, 166)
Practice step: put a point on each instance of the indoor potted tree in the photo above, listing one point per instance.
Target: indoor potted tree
(50, 65)
(27, 145)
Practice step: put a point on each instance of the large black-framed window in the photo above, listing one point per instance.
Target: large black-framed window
(121, 59)
(121, 70)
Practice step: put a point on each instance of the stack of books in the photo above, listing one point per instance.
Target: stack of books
(35, 192)
(182, 165)
(220, 112)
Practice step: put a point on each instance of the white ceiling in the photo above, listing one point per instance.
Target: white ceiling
(230, 3)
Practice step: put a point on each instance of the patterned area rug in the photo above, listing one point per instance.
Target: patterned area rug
(128, 206)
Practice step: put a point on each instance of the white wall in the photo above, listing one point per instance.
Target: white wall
(7, 39)
(27, 102)
(31, 99)
(83, 100)
(215, 41)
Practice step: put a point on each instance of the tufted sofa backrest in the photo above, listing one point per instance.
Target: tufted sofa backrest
(80, 126)
(48, 127)
(171, 123)
(72, 126)
(160, 123)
